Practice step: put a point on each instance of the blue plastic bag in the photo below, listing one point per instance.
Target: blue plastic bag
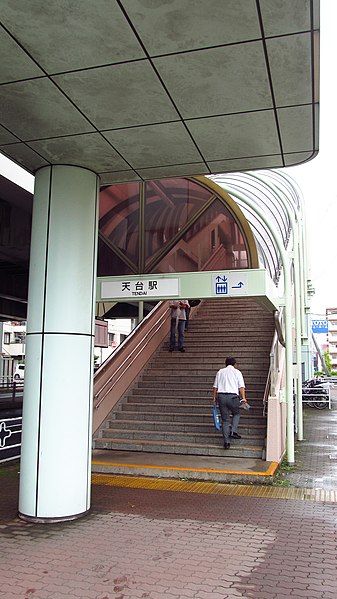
(216, 418)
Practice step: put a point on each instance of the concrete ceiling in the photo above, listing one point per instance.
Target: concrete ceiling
(143, 89)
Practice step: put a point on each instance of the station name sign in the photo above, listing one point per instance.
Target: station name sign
(140, 288)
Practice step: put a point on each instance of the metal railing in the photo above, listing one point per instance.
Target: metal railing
(10, 390)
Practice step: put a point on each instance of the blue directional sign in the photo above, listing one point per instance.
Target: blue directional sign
(221, 285)
(230, 284)
(319, 326)
(238, 286)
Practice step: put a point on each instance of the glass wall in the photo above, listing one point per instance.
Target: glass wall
(169, 225)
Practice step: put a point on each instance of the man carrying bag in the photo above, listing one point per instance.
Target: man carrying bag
(227, 388)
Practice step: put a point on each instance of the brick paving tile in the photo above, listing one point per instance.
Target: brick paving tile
(302, 595)
(164, 596)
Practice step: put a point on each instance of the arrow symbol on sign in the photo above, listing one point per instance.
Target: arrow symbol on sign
(238, 286)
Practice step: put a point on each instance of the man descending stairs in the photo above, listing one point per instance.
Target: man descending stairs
(169, 408)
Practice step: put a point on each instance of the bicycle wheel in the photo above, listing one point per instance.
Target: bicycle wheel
(320, 405)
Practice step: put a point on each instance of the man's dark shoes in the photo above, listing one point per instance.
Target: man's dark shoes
(227, 445)
(235, 436)
(170, 350)
(182, 349)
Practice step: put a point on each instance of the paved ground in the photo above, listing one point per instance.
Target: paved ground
(316, 455)
(148, 544)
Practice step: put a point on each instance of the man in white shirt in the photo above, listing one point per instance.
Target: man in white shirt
(178, 321)
(227, 388)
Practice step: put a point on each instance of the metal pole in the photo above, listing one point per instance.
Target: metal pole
(140, 311)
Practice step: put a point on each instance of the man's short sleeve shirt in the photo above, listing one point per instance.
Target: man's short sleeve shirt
(229, 380)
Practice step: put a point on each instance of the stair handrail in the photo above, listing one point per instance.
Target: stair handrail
(138, 349)
(278, 319)
(266, 392)
(274, 358)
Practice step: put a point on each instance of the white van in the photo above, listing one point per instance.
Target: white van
(19, 372)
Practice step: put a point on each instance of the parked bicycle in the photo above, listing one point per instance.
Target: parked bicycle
(316, 393)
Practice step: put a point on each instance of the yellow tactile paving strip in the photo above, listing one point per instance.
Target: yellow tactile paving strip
(265, 492)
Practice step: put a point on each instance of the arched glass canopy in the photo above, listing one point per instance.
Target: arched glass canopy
(264, 188)
(193, 224)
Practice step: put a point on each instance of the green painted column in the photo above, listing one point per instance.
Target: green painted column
(57, 409)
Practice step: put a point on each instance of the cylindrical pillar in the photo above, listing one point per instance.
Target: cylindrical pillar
(57, 408)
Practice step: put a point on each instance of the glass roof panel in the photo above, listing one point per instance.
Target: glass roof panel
(274, 194)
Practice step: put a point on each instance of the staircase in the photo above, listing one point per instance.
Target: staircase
(169, 408)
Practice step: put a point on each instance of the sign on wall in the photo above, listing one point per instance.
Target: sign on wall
(199, 285)
(229, 284)
(154, 287)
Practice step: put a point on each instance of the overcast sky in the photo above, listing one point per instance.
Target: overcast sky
(317, 178)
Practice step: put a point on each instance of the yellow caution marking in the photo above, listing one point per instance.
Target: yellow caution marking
(179, 486)
(269, 472)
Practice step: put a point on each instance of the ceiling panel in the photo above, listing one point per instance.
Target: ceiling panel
(108, 178)
(235, 136)
(15, 64)
(295, 124)
(119, 96)
(72, 34)
(244, 164)
(24, 156)
(217, 81)
(175, 170)
(290, 61)
(297, 157)
(288, 16)
(6, 137)
(91, 150)
(155, 145)
(36, 108)
(180, 25)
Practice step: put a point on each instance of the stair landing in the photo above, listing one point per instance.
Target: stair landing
(192, 467)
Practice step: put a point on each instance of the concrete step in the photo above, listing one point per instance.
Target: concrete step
(196, 357)
(182, 408)
(216, 449)
(181, 417)
(246, 428)
(230, 323)
(177, 437)
(165, 397)
(192, 369)
(205, 392)
(224, 468)
(223, 344)
(181, 378)
(192, 403)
